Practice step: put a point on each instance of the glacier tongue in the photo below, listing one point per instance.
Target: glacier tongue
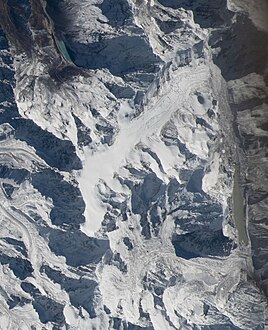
(139, 140)
(121, 125)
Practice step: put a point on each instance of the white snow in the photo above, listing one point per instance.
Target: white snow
(180, 95)
(103, 163)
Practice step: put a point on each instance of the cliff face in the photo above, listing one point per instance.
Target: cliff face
(121, 127)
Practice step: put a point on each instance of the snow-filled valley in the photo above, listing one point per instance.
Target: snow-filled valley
(133, 150)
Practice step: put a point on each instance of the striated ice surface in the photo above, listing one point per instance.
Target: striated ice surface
(122, 127)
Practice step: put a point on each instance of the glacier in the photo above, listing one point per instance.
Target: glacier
(133, 149)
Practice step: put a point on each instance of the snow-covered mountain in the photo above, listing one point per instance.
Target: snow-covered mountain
(133, 148)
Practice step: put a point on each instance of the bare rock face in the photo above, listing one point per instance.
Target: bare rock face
(133, 147)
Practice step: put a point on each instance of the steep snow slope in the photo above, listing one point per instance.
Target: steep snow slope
(117, 167)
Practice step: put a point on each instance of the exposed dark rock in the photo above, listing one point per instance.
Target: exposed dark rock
(206, 14)
(169, 25)
(195, 182)
(8, 189)
(117, 323)
(18, 175)
(57, 153)
(121, 55)
(81, 291)
(78, 248)
(118, 13)
(169, 136)
(107, 131)
(21, 268)
(56, 12)
(202, 243)
(128, 243)
(250, 51)
(121, 91)
(83, 132)
(203, 122)
(130, 326)
(49, 310)
(18, 245)
(144, 195)
(6, 92)
(14, 301)
(173, 190)
(68, 204)
(30, 288)
(109, 222)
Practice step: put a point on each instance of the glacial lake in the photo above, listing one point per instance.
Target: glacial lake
(61, 46)
(238, 209)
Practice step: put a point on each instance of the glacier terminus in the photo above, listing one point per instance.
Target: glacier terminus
(133, 164)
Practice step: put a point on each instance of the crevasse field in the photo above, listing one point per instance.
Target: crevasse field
(133, 165)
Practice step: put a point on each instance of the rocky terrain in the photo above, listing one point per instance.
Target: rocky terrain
(133, 150)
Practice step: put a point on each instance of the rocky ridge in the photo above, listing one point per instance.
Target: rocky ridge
(117, 165)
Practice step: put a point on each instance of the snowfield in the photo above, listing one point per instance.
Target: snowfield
(118, 168)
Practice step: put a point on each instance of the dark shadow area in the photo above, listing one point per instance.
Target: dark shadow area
(14, 17)
(18, 175)
(117, 323)
(202, 243)
(57, 153)
(143, 197)
(14, 301)
(120, 91)
(68, 204)
(6, 74)
(169, 135)
(18, 245)
(3, 41)
(19, 14)
(8, 189)
(121, 55)
(243, 49)
(118, 12)
(206, 13)
(60, 19)
(83, 132)
(144, 194)
(21, 268)
(30, 288)
(174, 189)
(48, 310)
(81, 291)
(195, 182)
(5, 92)
(76, 247)
(170, 25)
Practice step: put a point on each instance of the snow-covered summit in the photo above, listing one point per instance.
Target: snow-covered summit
(125, 129)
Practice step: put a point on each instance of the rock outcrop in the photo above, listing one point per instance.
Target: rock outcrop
(122, 124)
